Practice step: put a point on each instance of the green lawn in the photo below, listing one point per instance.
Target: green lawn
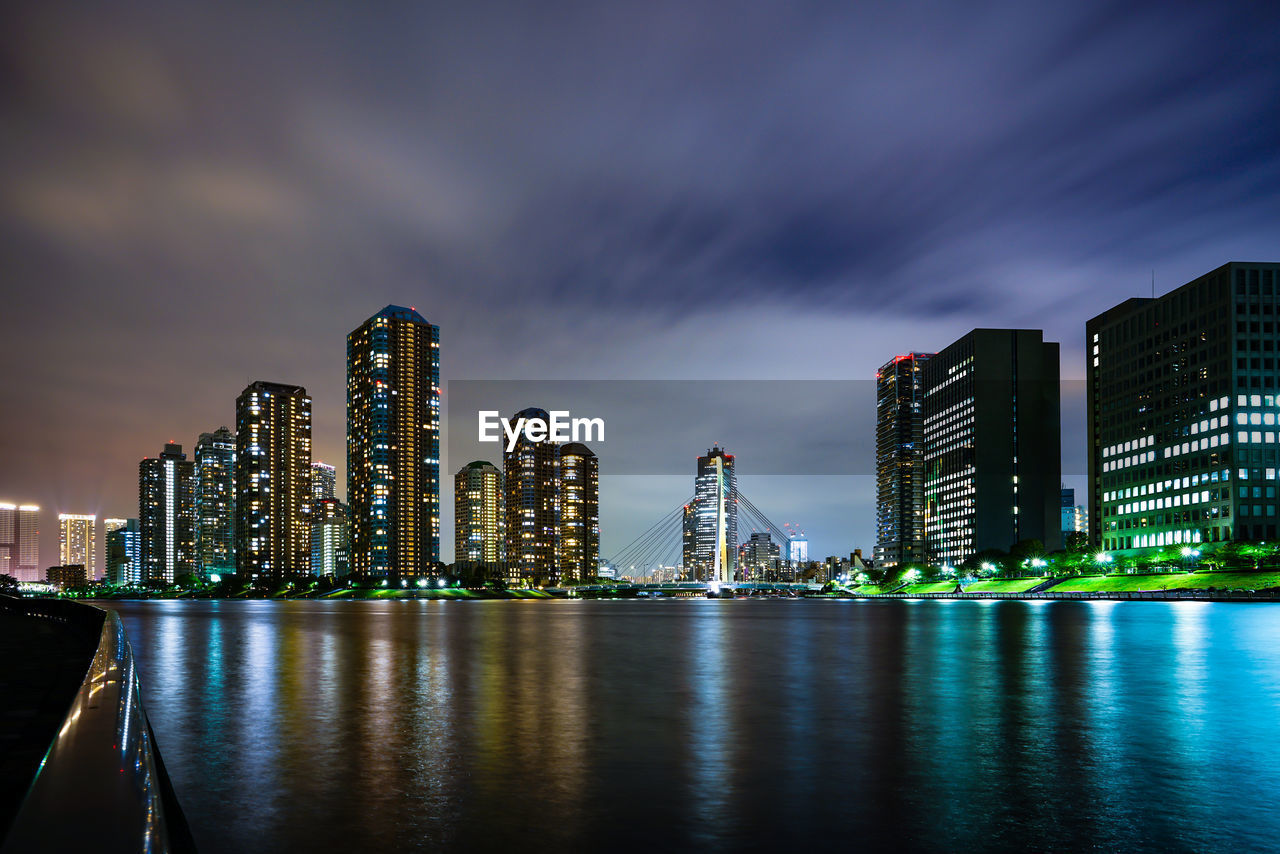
(1233, 580)
(930, 587)
(1003, 585)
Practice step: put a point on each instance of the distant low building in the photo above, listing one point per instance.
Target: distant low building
(70, 575)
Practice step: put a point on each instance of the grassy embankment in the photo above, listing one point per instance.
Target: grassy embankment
(1203, 580)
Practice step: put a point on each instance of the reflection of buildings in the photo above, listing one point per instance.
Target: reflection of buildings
(715, 518)
(20, 541)
(1184, 405)
(478, 520)
(991, 444)
(900, 536)
(393, 443)
(124, 562)
(273, 481)
(77, 542)
(215, 460)
(167, 515)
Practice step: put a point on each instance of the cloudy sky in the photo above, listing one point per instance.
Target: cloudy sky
(194, 196)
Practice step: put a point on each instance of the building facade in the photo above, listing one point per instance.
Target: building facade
(715, 518)
(579, 537)
(479, 524)
(900, 470)
(760, 558)
(531, 504)
(330, 549)
(393, 443)
(167, 515)
(124, 558)
(77, 542)
(273, 481)
(215, 459)
(20, 541)
(992, 444)
(1183, 401)
(324, 481)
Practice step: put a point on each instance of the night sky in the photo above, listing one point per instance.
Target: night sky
(194, 196)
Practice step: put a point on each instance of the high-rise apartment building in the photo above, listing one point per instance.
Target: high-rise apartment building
(329, 539)
(215, 460)
(393, 443)
(579, 538)
(900, 472)
(479, 524)
(531, 498)
(992, 444)
(124, 559)
(1183, 402)
(715, 518)
(273, 481)
(167, 515)
(324, 481)
(760, 557)
(77, 542)
(20, 541)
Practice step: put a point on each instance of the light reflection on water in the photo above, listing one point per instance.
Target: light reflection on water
(724, 725)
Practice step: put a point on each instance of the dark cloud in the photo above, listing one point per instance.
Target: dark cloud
(194, 196)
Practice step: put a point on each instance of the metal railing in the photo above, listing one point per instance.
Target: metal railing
(102, 785)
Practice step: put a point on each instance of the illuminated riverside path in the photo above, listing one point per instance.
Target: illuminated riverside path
(762, 723)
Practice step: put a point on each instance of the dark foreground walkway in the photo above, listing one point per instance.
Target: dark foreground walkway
(42, 663)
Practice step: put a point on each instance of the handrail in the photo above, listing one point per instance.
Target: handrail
(101, 787)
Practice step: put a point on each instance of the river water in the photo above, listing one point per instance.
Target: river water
(717, 725)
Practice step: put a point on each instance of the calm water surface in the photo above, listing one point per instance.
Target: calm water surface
(718, 725)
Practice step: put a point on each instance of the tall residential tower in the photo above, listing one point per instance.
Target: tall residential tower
(478, 520)
(77, 542)
(167, 515)
(393, 443)
(20, 541)
(215, 460)
(273, 481)
(900, 535)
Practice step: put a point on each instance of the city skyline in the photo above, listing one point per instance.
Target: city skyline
(599, 218)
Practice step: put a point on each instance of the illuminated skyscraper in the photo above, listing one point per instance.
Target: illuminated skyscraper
(900, 537)
(215, 460)
(273, 481)
(478, 520)
(689, 542)
(329, 540)
(324, 481)
(20, 541)
(992, 450)
(123, 551)
(167, 515)
(77, 542)
(530, 484)
(1184, 413)
(760, 557)
(579, 538)
(715, 534)
(393, 443)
